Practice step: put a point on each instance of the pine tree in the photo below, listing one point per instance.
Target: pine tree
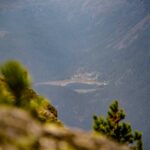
(114, 128)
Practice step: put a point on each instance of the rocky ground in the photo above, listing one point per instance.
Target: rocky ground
(18, 131)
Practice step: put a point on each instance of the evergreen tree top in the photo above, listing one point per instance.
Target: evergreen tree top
(114, 127)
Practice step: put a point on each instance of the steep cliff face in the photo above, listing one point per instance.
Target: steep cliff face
(18, 131)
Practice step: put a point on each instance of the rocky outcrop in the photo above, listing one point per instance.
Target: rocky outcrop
(19, 131)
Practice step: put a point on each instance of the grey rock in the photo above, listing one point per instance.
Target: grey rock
(19, 131)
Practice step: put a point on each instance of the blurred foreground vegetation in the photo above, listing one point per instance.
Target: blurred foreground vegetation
(16, 90)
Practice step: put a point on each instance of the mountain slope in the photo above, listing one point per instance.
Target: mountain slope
(56, 38)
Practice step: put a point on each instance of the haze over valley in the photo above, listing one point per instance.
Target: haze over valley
(82, 54)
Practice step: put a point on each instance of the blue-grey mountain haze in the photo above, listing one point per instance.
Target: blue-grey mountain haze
(82, 43)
